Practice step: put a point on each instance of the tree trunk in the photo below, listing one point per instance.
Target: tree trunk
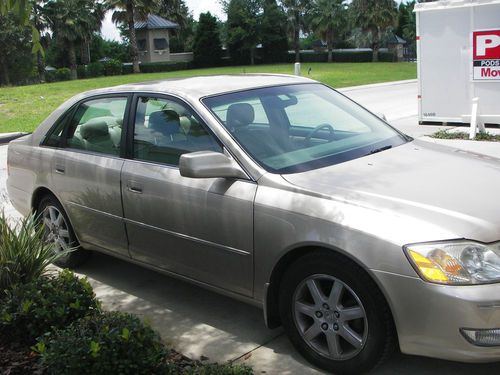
(40, 64)
(329, 46)
(5, 70)
(72, 59)
(252, 56)
(296, 36)
(134, 54)
(375, 44)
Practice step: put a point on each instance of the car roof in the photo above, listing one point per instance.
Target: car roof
(200, 86)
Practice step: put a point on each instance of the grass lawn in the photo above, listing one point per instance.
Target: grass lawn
(23, 108)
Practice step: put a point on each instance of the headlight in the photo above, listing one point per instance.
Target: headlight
(456, 263)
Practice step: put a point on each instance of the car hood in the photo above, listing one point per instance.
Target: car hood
(419, 181)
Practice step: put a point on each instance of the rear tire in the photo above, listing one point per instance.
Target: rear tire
(58, 230)
(335, 315)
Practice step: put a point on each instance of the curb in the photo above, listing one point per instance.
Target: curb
(7, 137)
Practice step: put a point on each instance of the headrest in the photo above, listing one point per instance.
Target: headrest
(239, 115)
(185, 124)
(166, 122)
(93, 129)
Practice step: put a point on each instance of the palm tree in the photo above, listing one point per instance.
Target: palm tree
(327, 18)
(296, 11)
(374, 17)
(127, 12)
(73, 21)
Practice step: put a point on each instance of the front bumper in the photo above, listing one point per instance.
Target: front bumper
(428, 317)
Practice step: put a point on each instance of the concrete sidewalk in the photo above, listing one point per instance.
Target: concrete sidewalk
(198, 322)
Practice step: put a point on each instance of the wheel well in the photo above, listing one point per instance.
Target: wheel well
(272, 306)
(37, 197)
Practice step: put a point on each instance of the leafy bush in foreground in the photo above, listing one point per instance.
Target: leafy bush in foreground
(24, 254)
(50, 302)
(107, 343)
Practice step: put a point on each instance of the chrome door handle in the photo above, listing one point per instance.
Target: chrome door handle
(134, 187)
(60, 169)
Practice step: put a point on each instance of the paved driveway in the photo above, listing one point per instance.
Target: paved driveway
(198, 322)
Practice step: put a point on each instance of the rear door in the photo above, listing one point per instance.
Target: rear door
(87, 168)
(198, 228)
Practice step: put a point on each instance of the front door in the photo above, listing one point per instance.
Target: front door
(198, 228)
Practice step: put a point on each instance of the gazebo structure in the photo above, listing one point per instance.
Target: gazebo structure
(153, 36)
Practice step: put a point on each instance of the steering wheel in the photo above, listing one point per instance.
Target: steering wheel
(313, 132)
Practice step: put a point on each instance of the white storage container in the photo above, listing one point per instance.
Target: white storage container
(458, 48)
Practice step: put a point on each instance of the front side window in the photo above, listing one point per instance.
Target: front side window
(96, 126)
(294, 128)
(165, 129)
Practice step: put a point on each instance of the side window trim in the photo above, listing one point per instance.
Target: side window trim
(129, 149)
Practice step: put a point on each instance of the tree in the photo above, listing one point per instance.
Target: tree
(406, 22)
(178, 12)
(243, 17)
(273, 33)
(374, 17)
(15, 50)
(207, 48)
(72, 22)
(328, 17)
(127, 12)
(297, 11)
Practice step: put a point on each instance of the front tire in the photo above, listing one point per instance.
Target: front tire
(59, 232)
(335, 315)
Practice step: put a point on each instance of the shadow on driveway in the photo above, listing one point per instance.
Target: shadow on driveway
(199, 322)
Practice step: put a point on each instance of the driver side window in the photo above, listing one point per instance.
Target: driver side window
(165, 129)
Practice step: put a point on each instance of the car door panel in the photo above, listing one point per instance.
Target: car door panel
(199, 228)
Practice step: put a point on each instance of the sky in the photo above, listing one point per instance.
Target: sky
(109, 30)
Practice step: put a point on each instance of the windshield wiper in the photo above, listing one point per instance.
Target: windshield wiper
(380, 149)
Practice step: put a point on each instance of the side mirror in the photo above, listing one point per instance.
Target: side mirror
(209, 164)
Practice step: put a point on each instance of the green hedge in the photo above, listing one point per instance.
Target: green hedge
(164, 66)
(337, 56)
(50, 302)
(107, 343)
(388, 56)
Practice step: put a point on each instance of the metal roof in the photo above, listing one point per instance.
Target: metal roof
(155, 22)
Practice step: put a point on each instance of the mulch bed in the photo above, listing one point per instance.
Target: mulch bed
(18, 359)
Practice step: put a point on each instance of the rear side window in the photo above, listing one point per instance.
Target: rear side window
(96, 126)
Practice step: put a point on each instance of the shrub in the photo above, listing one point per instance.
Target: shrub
(24, 254)
(49, 302)
(387, 56)
(112, 67)
(63, 74)
(352, 56)
(50, 76)
(164, 66)
(127, 69)
(81, 71)
(106, 343)
(95, 69)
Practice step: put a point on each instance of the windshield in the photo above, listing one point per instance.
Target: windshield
(295, 128)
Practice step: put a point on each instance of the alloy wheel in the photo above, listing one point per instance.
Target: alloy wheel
(330, 317)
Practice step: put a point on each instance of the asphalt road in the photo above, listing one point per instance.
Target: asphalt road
(198, 322)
